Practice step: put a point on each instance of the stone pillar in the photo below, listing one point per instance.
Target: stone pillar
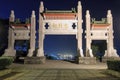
(32, 34)
(10, 50)
(79, 30)
(111, 52)
(88, 35)
(41, 32)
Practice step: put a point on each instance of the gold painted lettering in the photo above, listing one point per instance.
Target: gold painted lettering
(59, 26)
(66, 26)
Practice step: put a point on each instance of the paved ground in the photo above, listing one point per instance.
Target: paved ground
(61, 74)
(58, 70)
(61, 65)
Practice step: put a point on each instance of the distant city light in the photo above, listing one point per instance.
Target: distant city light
(61, 56)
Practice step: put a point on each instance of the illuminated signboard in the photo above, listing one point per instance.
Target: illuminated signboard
(60, 27)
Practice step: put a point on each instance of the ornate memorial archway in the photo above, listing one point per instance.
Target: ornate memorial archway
(100, 30)
(21, 31)
(60, 22)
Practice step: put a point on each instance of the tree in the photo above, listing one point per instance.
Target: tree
(95, 49)
(3, 34)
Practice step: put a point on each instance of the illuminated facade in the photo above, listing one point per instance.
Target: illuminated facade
(100, 30)
(21, 31)
(62, 22)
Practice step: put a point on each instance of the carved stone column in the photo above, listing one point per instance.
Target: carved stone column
(79, 30)
(32, 34)
(10, 50)
(41, 32)
(111, 52)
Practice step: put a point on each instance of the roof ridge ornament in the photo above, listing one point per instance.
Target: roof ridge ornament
(61, 11)
(102, 21)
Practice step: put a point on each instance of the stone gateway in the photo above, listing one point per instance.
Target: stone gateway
(60, 22)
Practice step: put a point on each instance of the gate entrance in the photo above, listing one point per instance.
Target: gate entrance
(21, 47)
(98, 48)
(22, 50)
(60, 47)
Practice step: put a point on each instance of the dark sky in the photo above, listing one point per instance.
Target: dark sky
(23, 8)
(98, 9)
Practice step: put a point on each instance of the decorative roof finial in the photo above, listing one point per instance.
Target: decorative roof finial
(109, 13)
(87, 12)
(33, 13)
(79, 3)
(12, 13)
(41, 6)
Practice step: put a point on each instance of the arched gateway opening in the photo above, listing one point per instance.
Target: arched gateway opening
(98, 48)
(60, 47)
(22, 48)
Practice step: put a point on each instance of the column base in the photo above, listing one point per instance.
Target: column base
(112, 54)
(86, 60)
(105, 59)
(10, 52)
(89, 53)
(80, 52)
(30, 52)
(34, 60)
(40, 53)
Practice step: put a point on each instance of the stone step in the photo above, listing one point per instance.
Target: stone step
(34, 60)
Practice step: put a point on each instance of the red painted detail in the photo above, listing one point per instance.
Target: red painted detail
(20, 25)
(100, 25)
(60, 15)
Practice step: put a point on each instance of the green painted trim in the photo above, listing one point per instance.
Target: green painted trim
(61, 11)
(102, 21)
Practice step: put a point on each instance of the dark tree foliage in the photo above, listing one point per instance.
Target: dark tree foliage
(3, 35)
(99, 48)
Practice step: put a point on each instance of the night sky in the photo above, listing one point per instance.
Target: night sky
(64, 44)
